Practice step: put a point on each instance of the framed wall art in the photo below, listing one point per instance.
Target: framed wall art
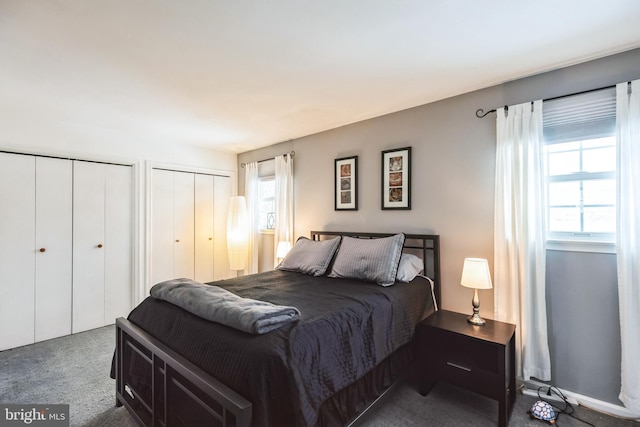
(346, 184)
(396, 178)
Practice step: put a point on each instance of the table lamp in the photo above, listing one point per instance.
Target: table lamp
(475, 275)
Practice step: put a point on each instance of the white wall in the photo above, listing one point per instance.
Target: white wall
(27, 135)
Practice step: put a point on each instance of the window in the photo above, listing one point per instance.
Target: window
(580, 166)
(267, 194)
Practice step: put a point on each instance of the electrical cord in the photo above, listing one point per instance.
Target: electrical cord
(568, 407)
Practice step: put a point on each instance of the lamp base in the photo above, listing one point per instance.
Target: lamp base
(475, 319)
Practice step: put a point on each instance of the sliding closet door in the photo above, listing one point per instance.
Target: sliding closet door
(183, 224)
(57, 221)
(204, 228)
(53, 275)
(188, 226)
(222, 194)
(102, 236)
(117, 242)
(212, 195)
(172, 225)
(88, 245)
(161, 226)
(17, 251)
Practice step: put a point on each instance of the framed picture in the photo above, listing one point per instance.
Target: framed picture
(346, 184)
(396, 178)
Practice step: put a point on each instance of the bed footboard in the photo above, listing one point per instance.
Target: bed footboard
(161, 388)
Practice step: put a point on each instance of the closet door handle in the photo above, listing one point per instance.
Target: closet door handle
(177, 240)
(100, 245)
(210, 238)
(43, 250)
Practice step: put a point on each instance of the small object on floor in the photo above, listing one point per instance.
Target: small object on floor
(543, 411)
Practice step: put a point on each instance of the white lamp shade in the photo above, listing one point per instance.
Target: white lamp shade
(475, 274)
(283, 249)
(237, 232)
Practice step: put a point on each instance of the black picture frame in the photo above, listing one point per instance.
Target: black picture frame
(396, 179)
(346, 184)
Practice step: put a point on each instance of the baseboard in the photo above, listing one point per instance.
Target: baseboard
(531, 389)
(552, 397)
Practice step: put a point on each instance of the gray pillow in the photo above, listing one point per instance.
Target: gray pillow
(374, 260)
(310, 256)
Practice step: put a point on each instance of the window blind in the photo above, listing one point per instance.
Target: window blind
(586, 116)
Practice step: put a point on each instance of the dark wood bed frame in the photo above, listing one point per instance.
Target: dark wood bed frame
(178, 387)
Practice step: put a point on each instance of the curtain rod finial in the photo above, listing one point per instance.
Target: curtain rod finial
(481, 114)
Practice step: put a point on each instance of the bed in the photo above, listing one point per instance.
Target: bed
(352, 340)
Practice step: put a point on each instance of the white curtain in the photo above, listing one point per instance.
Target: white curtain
(284, 203)
(628, 239)
(519, 236)
(251, 185)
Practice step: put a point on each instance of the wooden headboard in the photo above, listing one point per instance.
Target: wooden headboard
(427, 245)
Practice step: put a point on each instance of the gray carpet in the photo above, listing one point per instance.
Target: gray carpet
(75, 370)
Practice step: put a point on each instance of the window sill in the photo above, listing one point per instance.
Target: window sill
(267, 232)
(577, 246)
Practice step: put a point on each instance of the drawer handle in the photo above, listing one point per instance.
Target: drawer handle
(464, 368)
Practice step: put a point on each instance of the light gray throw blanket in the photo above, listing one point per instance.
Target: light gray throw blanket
(221, 306)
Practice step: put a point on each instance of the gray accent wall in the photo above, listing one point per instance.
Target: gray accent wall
(583, 323)
(453, 196)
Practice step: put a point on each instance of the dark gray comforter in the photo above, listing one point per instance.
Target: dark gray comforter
(346, 328)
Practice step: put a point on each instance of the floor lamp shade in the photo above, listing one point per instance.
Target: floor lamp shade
(237, 232)
(283, 249)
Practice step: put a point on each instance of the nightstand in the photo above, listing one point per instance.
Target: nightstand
(478, 358)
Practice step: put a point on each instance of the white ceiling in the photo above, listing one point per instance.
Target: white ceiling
(240, 74)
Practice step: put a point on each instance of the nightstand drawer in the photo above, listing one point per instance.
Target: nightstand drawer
(466, 353)
(470, 378)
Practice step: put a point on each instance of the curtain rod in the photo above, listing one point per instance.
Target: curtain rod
(481, 114)
(292, 153)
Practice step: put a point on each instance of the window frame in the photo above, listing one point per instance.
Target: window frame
(262, 200)
(583, 240)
